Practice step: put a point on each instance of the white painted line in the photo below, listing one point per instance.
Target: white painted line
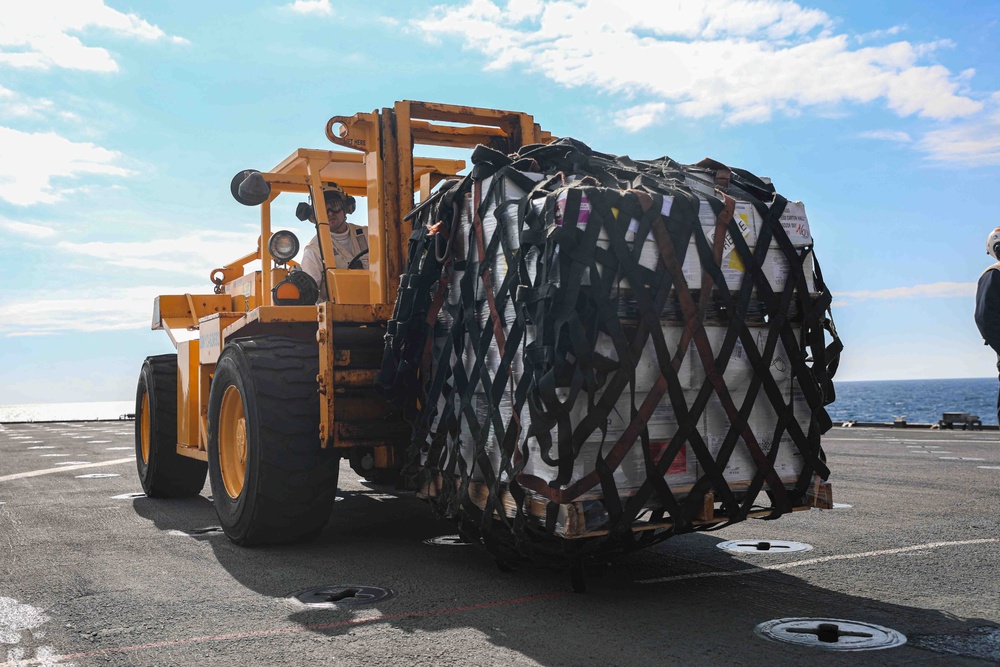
(953, 441)
(49, 471)
(115, 449)
(816, 561)
(949, 458)
(969, 458)
(989, 467)
(44, 456)
(71, 463)
(43, 447)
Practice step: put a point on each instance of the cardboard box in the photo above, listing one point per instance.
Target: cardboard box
(647, 369)
(776, 269)
(732, 265)
(739, 371)
(631, 472)
(740, 469)
(796, 224)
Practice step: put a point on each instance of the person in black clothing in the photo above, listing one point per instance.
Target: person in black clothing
(988, 301)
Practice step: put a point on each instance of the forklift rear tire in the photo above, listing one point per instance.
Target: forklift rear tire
(163, 472)
(272, 482)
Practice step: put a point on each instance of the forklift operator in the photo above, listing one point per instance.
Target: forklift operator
(350, 241)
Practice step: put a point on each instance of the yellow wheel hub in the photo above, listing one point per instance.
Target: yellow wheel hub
(144, 435)
(233, 442)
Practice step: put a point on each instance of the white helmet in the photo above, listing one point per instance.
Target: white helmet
(993, 244)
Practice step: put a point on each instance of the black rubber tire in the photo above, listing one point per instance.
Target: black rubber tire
(290, 481)
(166, 474)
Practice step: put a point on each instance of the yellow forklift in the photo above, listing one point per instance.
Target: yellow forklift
(268, 390)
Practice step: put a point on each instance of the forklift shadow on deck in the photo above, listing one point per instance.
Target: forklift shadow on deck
(375, 537)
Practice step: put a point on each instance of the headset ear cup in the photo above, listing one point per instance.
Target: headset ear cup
(303, 211)
(996, 251)
(350, 205)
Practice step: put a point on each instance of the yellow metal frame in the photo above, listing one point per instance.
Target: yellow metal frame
(380, 166)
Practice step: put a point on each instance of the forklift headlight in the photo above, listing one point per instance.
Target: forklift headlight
(283, 246)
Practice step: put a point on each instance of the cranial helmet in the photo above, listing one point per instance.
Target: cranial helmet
(333, 192)
(993, 244)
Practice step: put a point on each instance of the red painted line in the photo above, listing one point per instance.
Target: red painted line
(319, 626)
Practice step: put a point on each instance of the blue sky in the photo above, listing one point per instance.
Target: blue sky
(122, 123)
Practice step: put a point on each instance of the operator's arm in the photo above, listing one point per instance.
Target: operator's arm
(311, 262)
(988, 308)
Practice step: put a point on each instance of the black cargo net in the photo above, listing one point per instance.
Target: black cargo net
(596, 353)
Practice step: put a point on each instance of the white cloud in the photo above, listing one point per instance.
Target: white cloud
(743, 60)
(933, 291)
(26, 229)
(103, 309)
(43, 34)
(322, 7)
(178, 265)
(15, 105)
(887, 135)
(975, 142)
(638, 117)
(29, 162)
(194, 254)
(879, 34)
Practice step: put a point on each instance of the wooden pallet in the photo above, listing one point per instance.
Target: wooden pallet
(589, 518)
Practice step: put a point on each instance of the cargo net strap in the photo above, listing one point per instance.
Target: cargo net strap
(565, 369)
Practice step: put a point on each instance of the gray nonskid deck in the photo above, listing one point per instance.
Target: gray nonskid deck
(96, 576)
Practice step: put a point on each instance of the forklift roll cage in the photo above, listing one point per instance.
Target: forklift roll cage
(348, 327)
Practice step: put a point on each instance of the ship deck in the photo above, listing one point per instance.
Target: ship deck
(94, 572)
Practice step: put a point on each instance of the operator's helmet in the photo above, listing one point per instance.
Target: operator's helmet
(333, 192)
(993, 244)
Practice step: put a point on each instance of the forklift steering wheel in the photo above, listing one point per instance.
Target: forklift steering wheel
(357, 258)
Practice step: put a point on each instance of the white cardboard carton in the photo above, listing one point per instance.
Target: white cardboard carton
(631, 473)
(741, 468)
(733, 268)
(796, 224)
(739, 371)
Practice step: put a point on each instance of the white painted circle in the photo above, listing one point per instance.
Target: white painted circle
(754, 546)
(798, 631)
(447, 541)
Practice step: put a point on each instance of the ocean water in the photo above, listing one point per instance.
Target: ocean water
(920, 401)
